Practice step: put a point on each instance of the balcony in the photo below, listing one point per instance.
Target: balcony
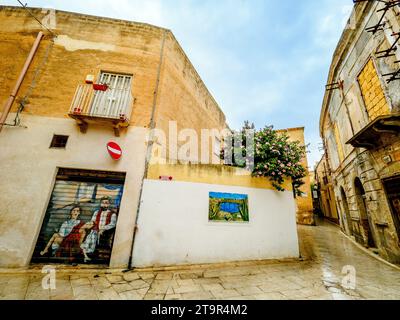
(377, 132)
(106, 106)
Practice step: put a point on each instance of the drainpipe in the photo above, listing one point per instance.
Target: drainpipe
(152, 126)
(11, 99)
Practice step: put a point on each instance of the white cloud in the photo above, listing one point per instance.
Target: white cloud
(329, 26)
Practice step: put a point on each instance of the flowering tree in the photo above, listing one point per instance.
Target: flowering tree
(274, 156)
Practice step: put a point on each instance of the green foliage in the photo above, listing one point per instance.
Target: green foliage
(244, 211)
(214, 209)
(275, 157)
(215, 213)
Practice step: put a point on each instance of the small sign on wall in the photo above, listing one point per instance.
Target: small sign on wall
(166, 178)
(228, 207)
(114, 150)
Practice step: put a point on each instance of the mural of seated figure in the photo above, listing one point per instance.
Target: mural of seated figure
(67, 239)
(98, 233)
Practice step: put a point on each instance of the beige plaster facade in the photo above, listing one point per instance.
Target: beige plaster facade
(305, 210)
(165, 87)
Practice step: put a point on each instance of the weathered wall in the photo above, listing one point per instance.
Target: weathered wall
(88, 45)
(85, 45)
(365, 95)
(212, 174)
(371, 89)
(270, 234)
(27, 171)
(184, 98)
(326, 195)
(305, 210)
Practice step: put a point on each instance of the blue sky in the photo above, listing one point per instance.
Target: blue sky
(231, 196)
(264, 61)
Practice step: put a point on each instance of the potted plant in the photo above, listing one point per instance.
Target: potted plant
(100, 86)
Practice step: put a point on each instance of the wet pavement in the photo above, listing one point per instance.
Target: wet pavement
(334, 268)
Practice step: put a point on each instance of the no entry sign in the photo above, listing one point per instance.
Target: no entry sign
(114, 150)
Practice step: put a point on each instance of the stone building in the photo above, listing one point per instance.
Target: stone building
(80, 176)
(326, 196)
(304, 203)
(360, 125)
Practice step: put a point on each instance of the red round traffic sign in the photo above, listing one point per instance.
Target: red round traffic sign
(114, 150)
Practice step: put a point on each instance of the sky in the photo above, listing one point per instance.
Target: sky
(265, 61)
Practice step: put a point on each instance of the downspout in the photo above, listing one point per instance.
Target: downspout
(150, 144)
(11, 99)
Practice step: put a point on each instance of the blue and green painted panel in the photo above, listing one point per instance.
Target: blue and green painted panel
(228, 207)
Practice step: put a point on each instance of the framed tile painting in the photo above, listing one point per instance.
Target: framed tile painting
(228, 207)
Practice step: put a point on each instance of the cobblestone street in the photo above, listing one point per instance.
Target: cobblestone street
(325, 251)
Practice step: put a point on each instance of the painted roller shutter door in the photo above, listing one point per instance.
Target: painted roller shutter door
(68, 236)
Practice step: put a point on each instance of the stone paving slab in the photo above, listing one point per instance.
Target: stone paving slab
(317, 276)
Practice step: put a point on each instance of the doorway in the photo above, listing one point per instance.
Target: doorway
(364, 214)
(81, 217)
(392, 188)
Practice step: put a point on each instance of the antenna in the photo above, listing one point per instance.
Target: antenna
(25, 6)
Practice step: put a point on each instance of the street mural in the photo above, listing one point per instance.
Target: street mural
(228, 207)
(80, 223)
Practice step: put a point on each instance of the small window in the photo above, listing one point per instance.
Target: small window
(217, 146)
(59, 142)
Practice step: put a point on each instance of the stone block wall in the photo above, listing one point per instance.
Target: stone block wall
(374, 97)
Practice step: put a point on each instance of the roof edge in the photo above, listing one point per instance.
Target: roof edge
(84, 15)
(360, 11)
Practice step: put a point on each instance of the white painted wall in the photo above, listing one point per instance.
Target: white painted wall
(174, 226)
(27, 172)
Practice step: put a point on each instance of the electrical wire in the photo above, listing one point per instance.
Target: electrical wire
(31, 14)
(23, 102)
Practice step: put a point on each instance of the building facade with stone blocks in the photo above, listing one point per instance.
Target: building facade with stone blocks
(324, 188)
(360, 125)
(304, 203)
(80, 162)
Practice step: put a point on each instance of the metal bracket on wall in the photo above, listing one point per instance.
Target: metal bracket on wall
(391, 51)
(83, 126)
(388, 4)
(335, 85)
(393, 75)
